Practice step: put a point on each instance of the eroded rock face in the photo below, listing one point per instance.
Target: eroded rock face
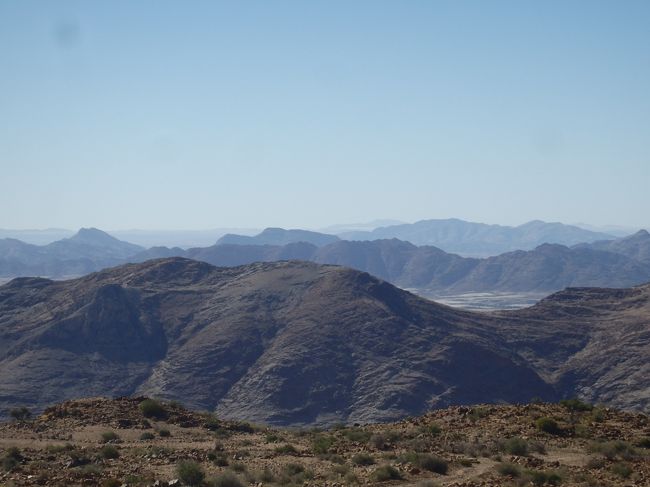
(297, 343)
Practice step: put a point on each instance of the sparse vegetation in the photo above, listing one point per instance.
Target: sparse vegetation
(313, 457)
(322, 444)
(190, 473)
(508, 469)
(20, 414)
(433, 464)
(385, 473)
(110, 436)
(614, 449)
(576, 405)
(516, 446)
(548, 425)
(212, 423)
(363, 459)
(622, 469)
(226, 479)
(11, 459)
(357, 435)
(109, 452)
(286, 449)
(151, 408)
(543, 478)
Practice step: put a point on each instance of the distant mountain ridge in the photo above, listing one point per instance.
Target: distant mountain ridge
(279, 236)
(635, 246)
(480, 239)
(302, 343)
(426, 269)
(548, 268)
(88, 250)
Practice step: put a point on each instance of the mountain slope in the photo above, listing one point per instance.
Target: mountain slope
(635, 246)
(480, 239)
(296, 342)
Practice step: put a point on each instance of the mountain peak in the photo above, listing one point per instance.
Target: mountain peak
(92, 235)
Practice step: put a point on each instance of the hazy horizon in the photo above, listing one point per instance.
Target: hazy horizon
(203, 115)
(369, 224)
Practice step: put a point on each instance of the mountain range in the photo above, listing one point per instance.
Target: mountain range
(303, 343)
(88, 250)
(426, 269)
(480, 239)
(548, 268)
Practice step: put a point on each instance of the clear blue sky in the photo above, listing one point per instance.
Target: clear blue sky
(192, 114)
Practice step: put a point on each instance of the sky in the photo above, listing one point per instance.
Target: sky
(191, 114)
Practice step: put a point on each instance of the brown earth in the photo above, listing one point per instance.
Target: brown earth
(64, 447)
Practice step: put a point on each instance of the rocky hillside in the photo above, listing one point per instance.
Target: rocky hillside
(139, 442)
(301, 343)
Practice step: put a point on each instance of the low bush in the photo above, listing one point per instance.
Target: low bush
(385, 473)
(218, 459)
(272, 438)
(322, 444)
(151, 408)
(11, 459)
(147, 436)
(164, 433)
(613, 449)
(543, 478)
(226, 479)
(357, 434)
(576, 405)
(508, 469)
(109, 452)
(363, 459)
(621, 469)
(190, 473)
(212, 423)
(548, 425)
(108, 436)
(20, 414)
(293, 468)
(433, 464)
(378, 441)
(516, 446)
(433, 429)
(286, 449)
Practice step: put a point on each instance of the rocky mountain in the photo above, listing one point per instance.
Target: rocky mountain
(279, 236)
(86, 251)
(635, 246)
(298, 343)
(551, 268)
(426, 269)
(480, 239)
(547, 268)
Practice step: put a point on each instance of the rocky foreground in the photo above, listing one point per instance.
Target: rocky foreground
(140, 442)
